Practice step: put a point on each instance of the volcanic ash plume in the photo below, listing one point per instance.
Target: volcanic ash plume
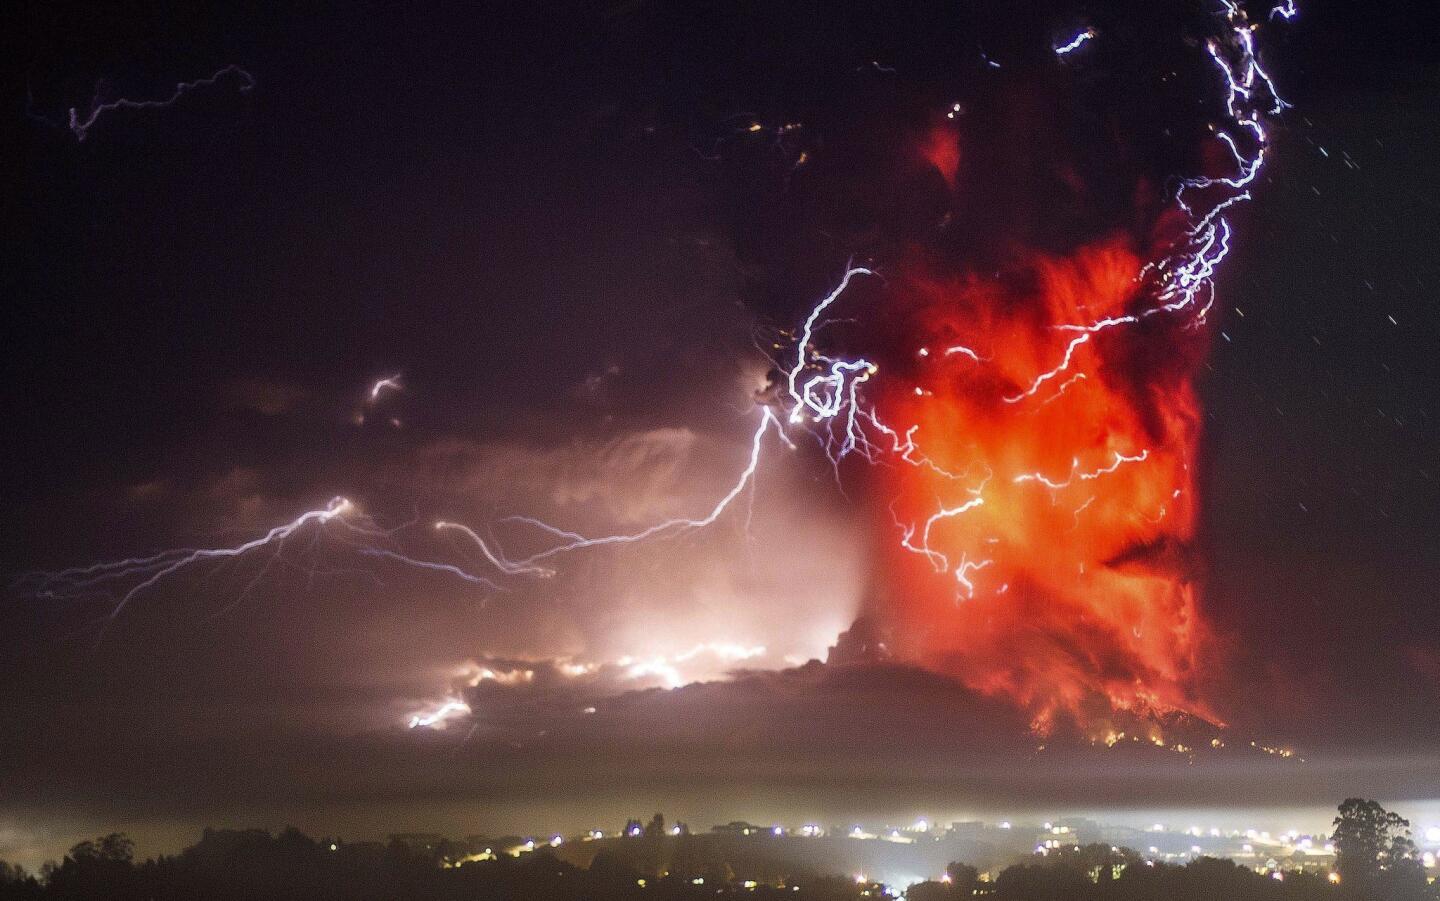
(1044, 551)
(1025, 377)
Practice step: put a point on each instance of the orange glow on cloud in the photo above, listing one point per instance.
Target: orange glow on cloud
(942, 150)
(1066, 588)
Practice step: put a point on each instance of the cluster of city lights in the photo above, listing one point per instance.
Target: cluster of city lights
(1271, 854)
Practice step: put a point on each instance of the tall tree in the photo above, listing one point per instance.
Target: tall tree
(1373, 845)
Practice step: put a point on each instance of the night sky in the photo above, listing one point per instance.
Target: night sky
(558, 227)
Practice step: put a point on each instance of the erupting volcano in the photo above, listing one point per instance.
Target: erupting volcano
(1037, 419)
(1019, 372)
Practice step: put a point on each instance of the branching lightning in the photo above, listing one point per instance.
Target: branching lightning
(85, 581)
(1182, 281)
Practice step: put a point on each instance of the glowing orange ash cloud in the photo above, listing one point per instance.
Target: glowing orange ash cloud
(1056, 572)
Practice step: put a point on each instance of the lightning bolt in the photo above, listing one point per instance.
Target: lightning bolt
(1075, 43)
(150, 571)
(572, 541)
(1184, 277)
(436, 718)
(389, 383)
(496, 560)
(1076, 475)
(81, 127)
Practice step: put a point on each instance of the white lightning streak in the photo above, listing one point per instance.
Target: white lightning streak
(81, 128)
(436, 718)
(1075, 474)
(807, 334)
(391, 383)
(963, 351)
(963, 571)
(1075, 43)
(575, 541)
(498, 561)
(1184, 277)
(79, 580)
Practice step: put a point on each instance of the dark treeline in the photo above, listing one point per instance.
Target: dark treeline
(1376, 861)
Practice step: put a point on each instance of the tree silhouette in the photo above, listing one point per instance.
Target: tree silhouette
(113, 848)
(103, 868)
(1374, 854)
(931, 891)
(16, 884)
(963, 877)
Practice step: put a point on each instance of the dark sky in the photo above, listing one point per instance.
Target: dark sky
(555, 224)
